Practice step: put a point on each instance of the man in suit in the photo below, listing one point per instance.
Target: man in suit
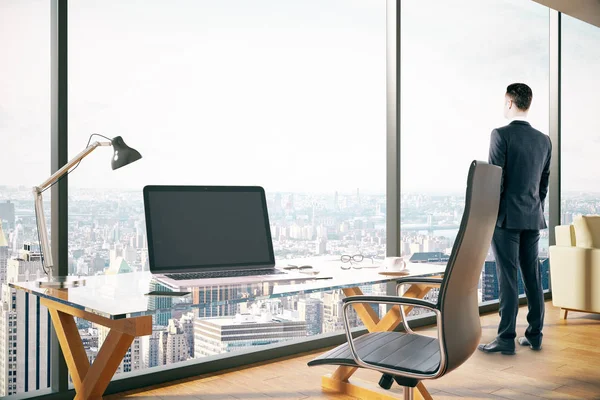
(524, 155)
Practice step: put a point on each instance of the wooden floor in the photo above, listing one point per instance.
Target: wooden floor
(568, 367)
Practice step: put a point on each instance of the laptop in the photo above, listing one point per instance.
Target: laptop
(210, 235)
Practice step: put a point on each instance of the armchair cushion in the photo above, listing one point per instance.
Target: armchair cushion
(587, 231)
(565, 235)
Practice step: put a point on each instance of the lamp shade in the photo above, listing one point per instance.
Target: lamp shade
(123, 154)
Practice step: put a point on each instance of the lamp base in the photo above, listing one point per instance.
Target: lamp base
(61, 282)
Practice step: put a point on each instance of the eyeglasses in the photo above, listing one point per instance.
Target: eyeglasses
(352, 260)
(298, 267)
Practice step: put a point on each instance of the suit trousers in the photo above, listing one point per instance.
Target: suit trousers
(513, 249)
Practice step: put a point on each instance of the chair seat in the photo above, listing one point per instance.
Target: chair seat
(395, 350)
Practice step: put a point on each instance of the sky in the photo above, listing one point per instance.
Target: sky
(289, 95)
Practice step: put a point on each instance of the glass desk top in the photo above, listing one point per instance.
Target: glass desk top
(125, 295)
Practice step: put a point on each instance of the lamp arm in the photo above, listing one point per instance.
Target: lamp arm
(65, 168)
(39, 204)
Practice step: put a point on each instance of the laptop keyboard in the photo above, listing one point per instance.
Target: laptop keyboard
(221, 274)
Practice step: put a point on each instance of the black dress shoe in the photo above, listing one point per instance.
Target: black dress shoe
(498, 347)
(523, 341)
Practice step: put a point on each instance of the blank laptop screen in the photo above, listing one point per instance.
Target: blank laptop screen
(194, 228)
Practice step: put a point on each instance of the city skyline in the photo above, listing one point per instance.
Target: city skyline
(106, 233)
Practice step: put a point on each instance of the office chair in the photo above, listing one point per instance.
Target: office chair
(408, 356)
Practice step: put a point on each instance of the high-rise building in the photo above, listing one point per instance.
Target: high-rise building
(320, 246)
(187, 325)
(89, 337)
(160, 303)
(3, 255)
(415, 248)
(115, 252)
(130, 255)
(91, 354)
(149, 347)
(140, 236)
(222, 335)
(545, 272)
(431, 245)
(7, 213)
(14, 239)
(431, 296)
(405, 248)
(567, 218)
(144, 259)
(322, 231)
(489, 279)
(168, 344)
(310, 310)
(213, 298)
(133, 358)
(173, 344)
(26, 266)
(333, 317)
(97, 265)
(490, 289)
(115, 234)
(24, 330)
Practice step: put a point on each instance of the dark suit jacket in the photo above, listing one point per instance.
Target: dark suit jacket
(524, 155)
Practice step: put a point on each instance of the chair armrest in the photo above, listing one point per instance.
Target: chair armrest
(405, 301)
(416, 280)
(419, 279)
(408, 301)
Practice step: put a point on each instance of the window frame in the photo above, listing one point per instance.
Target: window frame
(59, 201)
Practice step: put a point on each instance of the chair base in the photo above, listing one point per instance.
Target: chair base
(386, 381)
(367, 390)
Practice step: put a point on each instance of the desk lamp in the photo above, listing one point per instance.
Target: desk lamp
(122, 156)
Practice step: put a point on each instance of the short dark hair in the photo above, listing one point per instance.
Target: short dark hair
(520, 94)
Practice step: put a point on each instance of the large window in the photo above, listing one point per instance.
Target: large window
(580, 123)
(24, 163)
(286, 95)
(457, 58)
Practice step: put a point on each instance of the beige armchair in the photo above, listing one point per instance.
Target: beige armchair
(575, 266)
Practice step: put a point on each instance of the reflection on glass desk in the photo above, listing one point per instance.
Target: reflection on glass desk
(124, 295)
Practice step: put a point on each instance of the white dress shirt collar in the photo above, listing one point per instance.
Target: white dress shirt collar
(519, 118)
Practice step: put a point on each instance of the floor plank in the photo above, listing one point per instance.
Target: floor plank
(566, 368)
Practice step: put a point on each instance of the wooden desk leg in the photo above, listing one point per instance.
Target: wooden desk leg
(339, 380)
(71, 345)
(91, 381)
(104, 367)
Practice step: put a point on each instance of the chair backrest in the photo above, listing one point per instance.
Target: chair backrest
(458, 300)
